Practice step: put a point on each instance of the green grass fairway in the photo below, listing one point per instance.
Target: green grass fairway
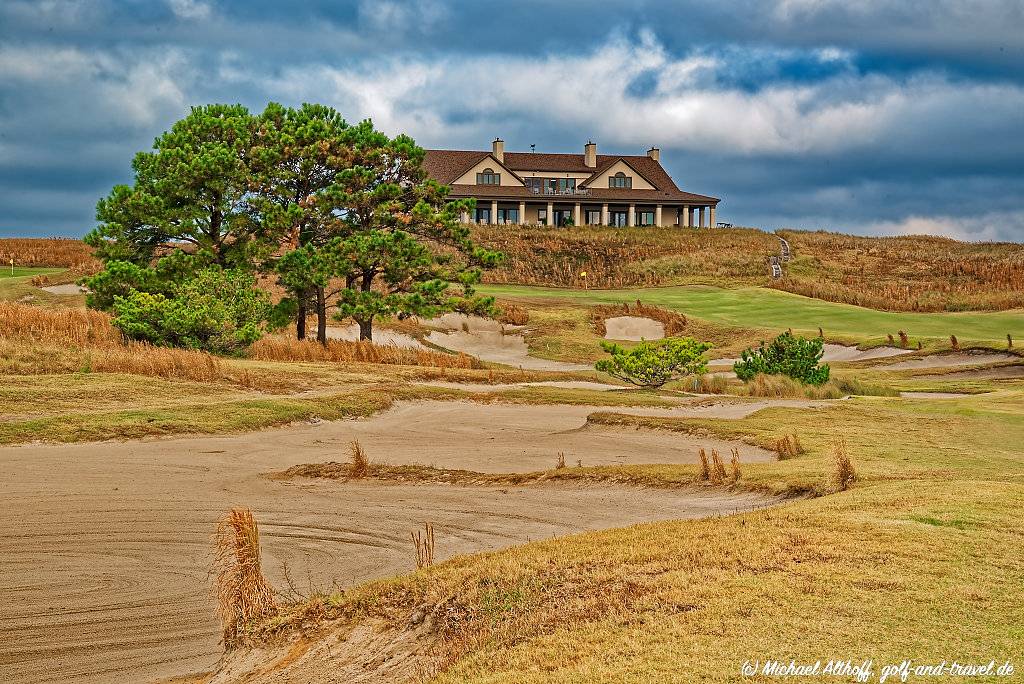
(764, 308)
(22, 272)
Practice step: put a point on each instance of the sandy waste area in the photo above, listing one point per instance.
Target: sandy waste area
(105, 547)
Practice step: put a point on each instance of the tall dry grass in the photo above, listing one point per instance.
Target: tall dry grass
(623, 257)
(287, 349)
(905, 273)
(78, 327)
(243, 593)
(358, 463)
(424, 544)
(38, 341)
(53, 252)
(842, 473)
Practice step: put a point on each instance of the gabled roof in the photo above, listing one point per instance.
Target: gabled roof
(447, 166)
(612, 161)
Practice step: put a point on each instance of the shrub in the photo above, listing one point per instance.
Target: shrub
(652, 364)
(787, 354)
(216, 310)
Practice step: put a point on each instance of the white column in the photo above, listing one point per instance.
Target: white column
(576, 214)
(631, 218)
(686, 216)
(494, 211)
(657, 216)
(604, 214)
(551, 214)
(700, 217)
(711, 221)
(464, 217)
(522, 213)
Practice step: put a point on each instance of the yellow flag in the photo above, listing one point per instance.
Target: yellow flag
(583, 274)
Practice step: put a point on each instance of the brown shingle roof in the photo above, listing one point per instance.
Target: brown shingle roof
(446, 166)
(596, 195)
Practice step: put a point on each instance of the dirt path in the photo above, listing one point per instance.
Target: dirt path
(104, 546)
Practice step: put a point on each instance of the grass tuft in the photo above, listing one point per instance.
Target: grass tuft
(358, 464)
(243, 594)
(843, 474)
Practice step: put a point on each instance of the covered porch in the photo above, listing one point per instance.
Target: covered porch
(561, 213)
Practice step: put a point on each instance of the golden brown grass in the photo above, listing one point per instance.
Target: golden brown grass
(65, 326)
(788, 446)
(734, 464)
(907, 273)
(424, 545)
(842, 474)
(358, 463)
(243, 594)
(704, 474)
(513, 314)
(616, 257)
(717, 468)
(55, 252)
(286, 349)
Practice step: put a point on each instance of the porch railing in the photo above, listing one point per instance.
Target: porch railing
(560, 192)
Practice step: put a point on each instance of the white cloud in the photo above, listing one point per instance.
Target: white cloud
(190, 10)
(989, 227)
(591, 93)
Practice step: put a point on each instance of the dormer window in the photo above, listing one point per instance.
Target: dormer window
(620, 180)
(488, 177)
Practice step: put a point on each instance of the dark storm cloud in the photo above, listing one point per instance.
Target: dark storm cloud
(877, 116)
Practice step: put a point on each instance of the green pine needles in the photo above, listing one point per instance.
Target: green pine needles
(788, 354)
(652, 364)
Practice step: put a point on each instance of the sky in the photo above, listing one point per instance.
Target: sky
(877, 117)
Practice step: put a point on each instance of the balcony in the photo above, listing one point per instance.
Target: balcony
(557, 192)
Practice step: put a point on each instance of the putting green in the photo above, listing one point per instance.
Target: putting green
(773, 309)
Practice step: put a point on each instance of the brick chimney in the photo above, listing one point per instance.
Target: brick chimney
(654, 153)
(498, 149)
(590, 154)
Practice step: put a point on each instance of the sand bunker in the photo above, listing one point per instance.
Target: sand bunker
(382, 336)
(490, 340)
(995, 373)
(69, 289)
(839, 352)
(951, 360)
(633, 328)
(104, 565)
(498, 347)
(500, 387)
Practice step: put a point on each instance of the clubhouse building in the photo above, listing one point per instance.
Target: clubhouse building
(568, 189)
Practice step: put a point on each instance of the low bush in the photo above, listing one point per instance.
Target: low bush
(789, 355)
(217, 310)
(652, 364)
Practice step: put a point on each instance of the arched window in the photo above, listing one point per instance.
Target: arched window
(488, 177)
(620, 180)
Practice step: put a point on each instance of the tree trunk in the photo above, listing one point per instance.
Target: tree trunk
(321, 316)
(300, 317)
(366, 330)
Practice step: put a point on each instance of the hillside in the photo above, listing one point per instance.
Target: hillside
(910, 273)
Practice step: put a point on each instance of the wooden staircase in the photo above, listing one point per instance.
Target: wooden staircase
(784, 249)
(776, 267)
